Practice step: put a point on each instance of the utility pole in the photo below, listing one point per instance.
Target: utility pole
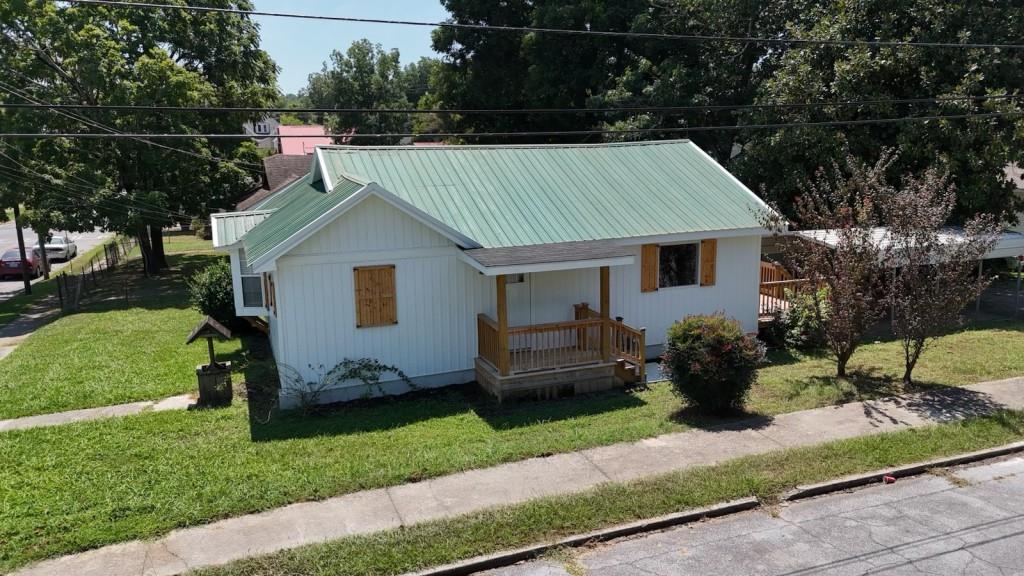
(21, 249)
(43, 255)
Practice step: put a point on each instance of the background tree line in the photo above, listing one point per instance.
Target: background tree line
(57, 53)
(494, 69)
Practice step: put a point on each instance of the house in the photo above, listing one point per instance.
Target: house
(262, 132)
(301, 140)
(536, 270)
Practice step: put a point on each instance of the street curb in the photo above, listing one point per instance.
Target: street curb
(857, 480)
(501, 559)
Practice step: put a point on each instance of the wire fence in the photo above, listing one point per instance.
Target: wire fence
(72, 285)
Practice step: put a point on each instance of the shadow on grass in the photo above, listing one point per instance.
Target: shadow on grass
(128, 286)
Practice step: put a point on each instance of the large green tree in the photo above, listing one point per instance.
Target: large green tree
(364, 76)
(85, 54)
(973, 151)
(490, 69)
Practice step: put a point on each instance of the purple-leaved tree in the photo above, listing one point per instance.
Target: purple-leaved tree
(931, 265)
(844, 279)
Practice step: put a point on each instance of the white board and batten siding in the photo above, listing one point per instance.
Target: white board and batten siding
(438, 298)
(550, 295)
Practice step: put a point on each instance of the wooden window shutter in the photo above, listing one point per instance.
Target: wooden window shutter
(708, 259)
(376, 303)
(649, 268)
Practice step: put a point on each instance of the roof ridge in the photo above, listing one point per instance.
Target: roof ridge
(330, 147)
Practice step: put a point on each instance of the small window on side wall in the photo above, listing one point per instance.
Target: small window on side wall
(677, 265)
(252, 284)
(376, 302)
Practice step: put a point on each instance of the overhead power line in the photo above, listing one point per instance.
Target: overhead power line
(14, 91)
(497, 111)
(900, 120)
(564, 31)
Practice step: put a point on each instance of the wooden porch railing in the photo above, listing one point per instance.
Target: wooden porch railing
(487, 339)
(561, 344)
(554, 345)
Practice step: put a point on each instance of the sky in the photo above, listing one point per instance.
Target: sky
(301, 46)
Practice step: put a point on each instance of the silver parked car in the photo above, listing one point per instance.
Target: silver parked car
(59, 247)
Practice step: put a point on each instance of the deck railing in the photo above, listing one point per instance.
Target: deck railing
(774, 296)
(554, 345)
(561, 344)
(487, 339)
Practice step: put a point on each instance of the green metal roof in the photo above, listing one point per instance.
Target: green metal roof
(294, 209)
(504, 196)
(230, 227)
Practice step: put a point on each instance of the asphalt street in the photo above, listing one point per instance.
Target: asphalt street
(9, 240)
(966, 521)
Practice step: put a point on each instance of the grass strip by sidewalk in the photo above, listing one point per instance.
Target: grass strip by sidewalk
(764, 476)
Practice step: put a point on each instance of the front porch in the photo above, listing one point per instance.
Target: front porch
(589, 353)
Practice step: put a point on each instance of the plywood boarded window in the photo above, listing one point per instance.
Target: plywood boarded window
(376, 304)
(649, 268)
(708, 258)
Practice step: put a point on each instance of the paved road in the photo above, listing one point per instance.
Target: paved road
(969, 523)
(9, 240)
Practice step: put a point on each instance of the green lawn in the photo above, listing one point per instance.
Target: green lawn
(158, 471)
(111, 351)
(165, 470)
(764, 476)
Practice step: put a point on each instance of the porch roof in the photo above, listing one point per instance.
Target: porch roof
(547, 257)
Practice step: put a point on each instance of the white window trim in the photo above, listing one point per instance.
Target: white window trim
(236, 283)
(696, 283)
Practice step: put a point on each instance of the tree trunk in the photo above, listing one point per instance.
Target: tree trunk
(841, 365)
(21, 249)
(156, 241)
(146, 250)
(43, 255)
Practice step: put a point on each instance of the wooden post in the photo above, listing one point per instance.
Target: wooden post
(503, 359)
(606, 344)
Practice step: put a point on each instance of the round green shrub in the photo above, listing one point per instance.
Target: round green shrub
(211, 293)
(711, 362)
(804, 331)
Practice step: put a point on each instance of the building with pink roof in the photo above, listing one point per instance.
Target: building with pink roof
(301, 140)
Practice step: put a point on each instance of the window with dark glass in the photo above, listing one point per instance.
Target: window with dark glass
(677, 265)
(252, 284)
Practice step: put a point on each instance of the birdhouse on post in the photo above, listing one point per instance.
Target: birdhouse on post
(215, 377)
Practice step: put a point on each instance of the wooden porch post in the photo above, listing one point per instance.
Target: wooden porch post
(606, 344)
(503, 360)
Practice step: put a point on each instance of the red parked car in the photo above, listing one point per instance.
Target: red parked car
(11, 264)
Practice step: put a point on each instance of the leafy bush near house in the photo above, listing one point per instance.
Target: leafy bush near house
(209, 291)
(711, 362)
(201, 228)
(804, 330)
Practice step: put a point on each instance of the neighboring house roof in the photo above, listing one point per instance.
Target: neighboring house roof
(1009, 244)
(281, 170)
(514, 196)
(315, 135)
(228, 227)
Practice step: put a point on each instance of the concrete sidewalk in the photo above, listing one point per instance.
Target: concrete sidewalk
(474, 490)
(180, 402)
